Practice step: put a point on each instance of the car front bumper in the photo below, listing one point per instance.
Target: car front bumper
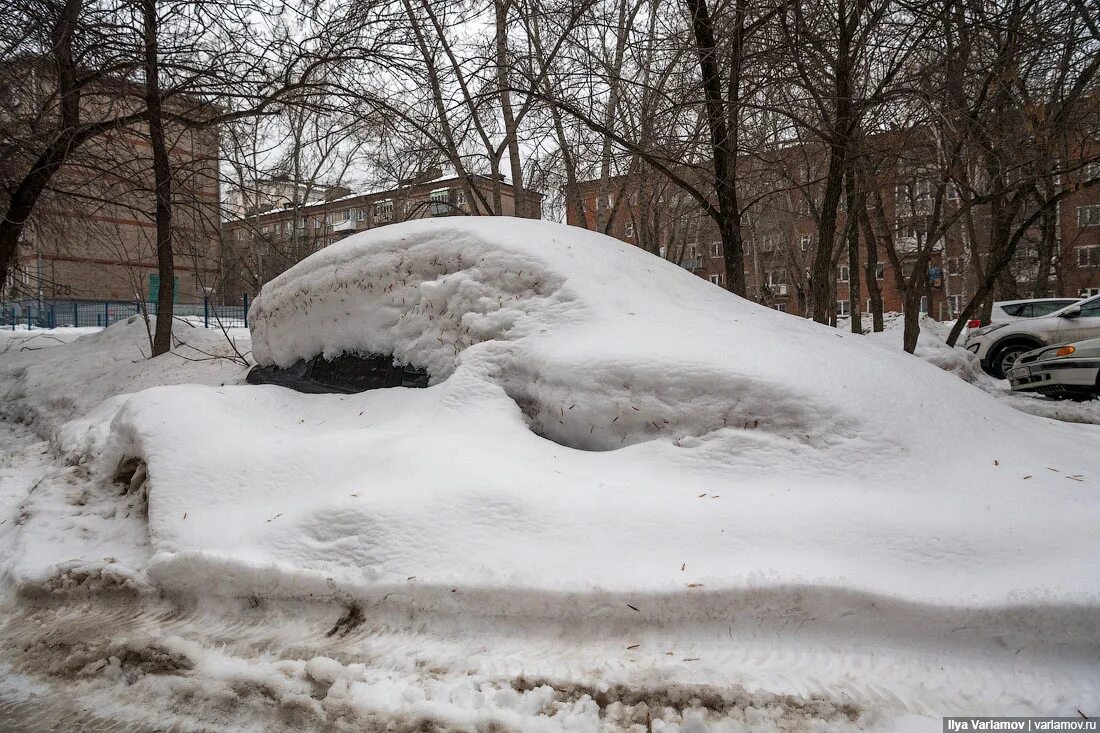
(1055, 375)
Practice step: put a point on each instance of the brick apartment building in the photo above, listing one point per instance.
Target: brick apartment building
(261, 244)
(92, 235)
(780, 232)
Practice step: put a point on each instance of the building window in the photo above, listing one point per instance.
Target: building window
(805, 241)
(460, 199)
(360, 214)
(286, 228)
(776, 277)
(716, 279)
(630, 229)
(1089, 292)
(880, 271)
(317, 223)
(955, 303)
(690, 250)
(716, 250)
(924, 304)
(664, 252)
(383, 210)
(909, 233)
(842, 274)
(843, 308)
(955, 266)
(769, 242)
(781, 307)
(1088, 216)
(330, 218)
(264, 229)
(1092, 170)
(347, 214)
(1088, 256)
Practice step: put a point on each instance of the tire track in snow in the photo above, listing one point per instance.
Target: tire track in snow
(890, 679)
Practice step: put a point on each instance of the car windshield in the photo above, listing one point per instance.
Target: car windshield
(1047, 307)
(1090, 306)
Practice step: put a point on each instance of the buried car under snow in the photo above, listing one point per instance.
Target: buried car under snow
(612, 455)
(1069, 370)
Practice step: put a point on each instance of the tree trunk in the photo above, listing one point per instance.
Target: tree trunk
(839, 144)
(511, 131)
(874, 292)
(724, 158)
(162, 183)
(911, 331)
(852, 204)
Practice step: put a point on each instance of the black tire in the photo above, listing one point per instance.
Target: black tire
(1006, 356)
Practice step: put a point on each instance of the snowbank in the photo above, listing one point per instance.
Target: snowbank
(628, 500)
(600, 420)
(46, 385)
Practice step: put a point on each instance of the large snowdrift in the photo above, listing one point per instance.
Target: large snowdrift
(628, 501)
(602, 426)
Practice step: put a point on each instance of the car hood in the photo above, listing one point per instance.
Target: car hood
(1087, 349)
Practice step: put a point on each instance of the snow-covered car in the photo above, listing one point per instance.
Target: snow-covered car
(1069, 370)
(626, 499)
(999, 345)
(1005, 311)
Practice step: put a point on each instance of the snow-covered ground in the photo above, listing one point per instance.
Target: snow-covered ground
(628, 501)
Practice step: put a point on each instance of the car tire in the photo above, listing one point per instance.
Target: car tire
(1006, 356)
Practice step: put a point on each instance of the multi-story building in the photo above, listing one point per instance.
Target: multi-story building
(92, 234)
(274, 192)
(260, 245)
(780, 231)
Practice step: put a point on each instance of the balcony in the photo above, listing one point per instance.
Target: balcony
(348, 225)
(692, 263)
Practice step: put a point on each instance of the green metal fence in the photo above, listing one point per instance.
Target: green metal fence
(103, 313)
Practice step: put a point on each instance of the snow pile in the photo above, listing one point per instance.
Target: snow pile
(599, 421)
(626, 498)
(932, 347)
(48, 378)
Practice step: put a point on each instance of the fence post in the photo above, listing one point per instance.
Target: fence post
(106, 315)
(246, 310)
(30, 323)
(206, 311)
(76, 314)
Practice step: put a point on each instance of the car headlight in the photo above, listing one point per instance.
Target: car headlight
(1065, 351)
(989, 329)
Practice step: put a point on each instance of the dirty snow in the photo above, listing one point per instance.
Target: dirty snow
(628, 501)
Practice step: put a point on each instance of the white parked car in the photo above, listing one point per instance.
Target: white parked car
(999, 345)
(1005, 311)
(1070, 370)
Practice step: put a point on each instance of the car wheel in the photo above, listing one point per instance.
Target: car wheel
(1006, 357)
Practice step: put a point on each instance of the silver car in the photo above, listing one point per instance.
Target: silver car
(1070, 370)
(999, 345)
